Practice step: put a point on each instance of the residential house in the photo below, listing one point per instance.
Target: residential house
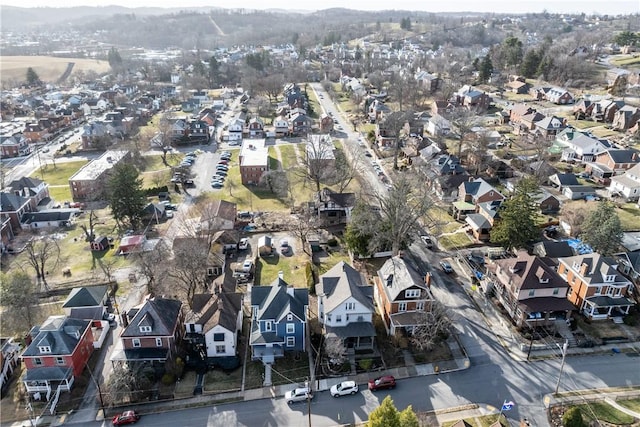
(59, 351)
(548, 127)
(438, 125)
(427, 80)
(214, 264)
(281, 126)
(578, 192)
(605, 110)
(518, 111)
(278, 321)
(87, 302)
(14, 145)
(550, 250)
(611, 162)
(472, 98)
(256, 127)
(326, 123)
(155, 212)
(598, 290)
(33, 189)
(478, 191)
(9, 359)
(377, 111)
(345, 307)
(402, 295)
(89, 182)
(131, 244)
(627, 185)
(212, 327)
(153, 333)
(547, 202)
(6, 232)
(530, 290)
(219, 215)
(562, 180)
(559, 95)
(583, 108)
(254, 161)
(300, 124)
(518, 85)
(334, 208)
(526, 124)
(14, 206)
(442, 108)
(626, 118)
(579, 146)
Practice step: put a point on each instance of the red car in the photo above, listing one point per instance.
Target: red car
(127, 417)
(381, 383)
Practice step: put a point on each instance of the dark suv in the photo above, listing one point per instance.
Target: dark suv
(381, 383)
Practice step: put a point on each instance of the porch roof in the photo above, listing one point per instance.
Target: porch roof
(407, 318)
(352, 330)
(140, 354)
(543, 304)
(464, 206)
(54, 373)
(606, 301)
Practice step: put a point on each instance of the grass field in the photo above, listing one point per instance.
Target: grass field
(626, 60)
(48, 68)
(60, 174)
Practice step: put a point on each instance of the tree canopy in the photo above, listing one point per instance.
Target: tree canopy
(518, 214)
(602, 229)
(32, 77)
(387, 415)
(125, 195)
(18, 295)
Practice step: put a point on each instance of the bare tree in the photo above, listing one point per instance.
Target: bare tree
(107, 266)
(397, 125)
(277, 182)
(18, 295)
(319, 155)
(129, 383)
(335, 350)
(42, 254)
(401, 208)
(153, 266)
(433, 325)
(89, 231)
(463, 120)
(574, 215)
(302, 225)
(189, 265)
(345, 170)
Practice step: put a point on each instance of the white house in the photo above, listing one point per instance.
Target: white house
(438, 125)
(579, 146)
(281, 126)
(213, 325)
(345, 307)
(627, 185)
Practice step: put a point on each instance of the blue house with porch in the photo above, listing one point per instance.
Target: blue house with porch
(278, 321)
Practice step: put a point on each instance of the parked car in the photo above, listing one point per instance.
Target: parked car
(446, 267)
(381, 383)
(127, 417)
(344, 388)
(298, 395)
(244, 244)
(189, 183)
(221, 173)
(223, 162)
(427, 241)
(217, 184)
(170, 207)
(284, 247)
(222, 168)
(168, 214)
(244, 215)
(247, 265)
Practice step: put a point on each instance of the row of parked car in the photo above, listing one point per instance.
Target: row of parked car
(302, 394)
(222, 168)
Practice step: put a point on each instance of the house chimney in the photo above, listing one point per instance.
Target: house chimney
(427, 279)
(583, 269)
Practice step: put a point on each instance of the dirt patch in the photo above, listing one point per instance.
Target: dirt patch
(49, 69)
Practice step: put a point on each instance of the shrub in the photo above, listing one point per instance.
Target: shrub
(573, 418)
(155, 190)
(365, 364)
(311, 283)
(332, 242)
(168, 379)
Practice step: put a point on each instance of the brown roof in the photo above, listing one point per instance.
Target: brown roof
(530, 272)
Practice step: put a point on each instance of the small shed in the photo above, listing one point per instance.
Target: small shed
(265, 246)
(101, 243)
(133, 243)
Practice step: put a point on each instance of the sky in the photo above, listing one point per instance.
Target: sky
(602, 7)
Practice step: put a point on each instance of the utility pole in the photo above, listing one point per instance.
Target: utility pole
(564, 354)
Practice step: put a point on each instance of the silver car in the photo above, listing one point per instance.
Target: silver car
(344, 388)
(300, 394)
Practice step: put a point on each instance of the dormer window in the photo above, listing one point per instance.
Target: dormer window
(145, 329)
(543, 280)
(412, 293)
(610, 278)
(44, 349)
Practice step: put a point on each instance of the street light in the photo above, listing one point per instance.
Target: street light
(564, 353)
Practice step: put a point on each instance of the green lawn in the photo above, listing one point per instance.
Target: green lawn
(633, 404)
(59, 174)
(293, 268)
(60, 194)
(290, 369)
(604, 412)
(629, 216)
(184, 387)
(454, 241)
(626, 60)
(220, 381)
(288, 156)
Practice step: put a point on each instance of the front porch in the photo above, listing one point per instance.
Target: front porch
(47, 381)
(604, 307)
(355, 336)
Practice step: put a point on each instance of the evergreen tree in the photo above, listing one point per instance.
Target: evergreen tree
(385, 415)
(486, 68)
(114, 59)
(32, 77)
(408, 418)
(602, 229)
(125, 195)
(518, 214)
(530, 63)
(512, 48)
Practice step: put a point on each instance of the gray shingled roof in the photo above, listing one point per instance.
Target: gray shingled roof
(159, 313)
(397, 275)
(86, 296)
(61, 334)
(210, 310)
(340, 283)
(598, 267)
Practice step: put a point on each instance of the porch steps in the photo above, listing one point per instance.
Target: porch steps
(197, 390)
(565, 332)
(617, 320)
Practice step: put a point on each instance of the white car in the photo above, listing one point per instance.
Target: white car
(244, 244)
(298, 395)
(344, 388)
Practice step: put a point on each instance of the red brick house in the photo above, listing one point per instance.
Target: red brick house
(154, 330)
(402, 295)
(611, 162)
(478, 191)
(597, 289)
(14, 145)
(59, 351)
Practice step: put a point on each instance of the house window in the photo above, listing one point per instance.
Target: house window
(412, 293)
(291, 328)
(420, 306)
(218, 337)
(144, 328)
(37, 361)
(221, 349)
(598, 290)
(255, 312)
(402, 306)
(610, 278)
(532, 292)
(338, 318)
(556, 291)
(136, 342)
(158, 342)
(291, 341)
(60, 360)
(44, 349)
(328, 318)
(351, 306)
(289, 317)
(267, 326)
